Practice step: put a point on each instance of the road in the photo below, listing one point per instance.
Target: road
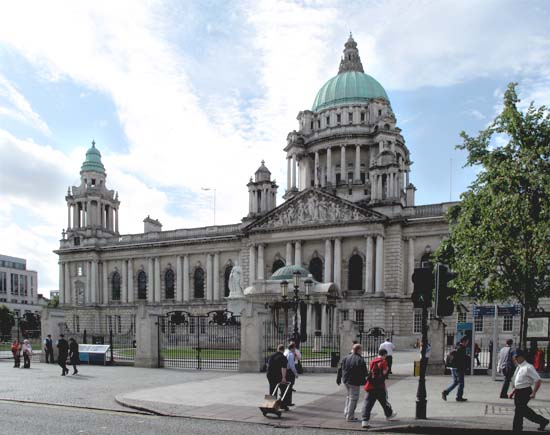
(26, 418)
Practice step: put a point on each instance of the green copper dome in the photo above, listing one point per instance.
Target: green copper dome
(348, 87)
(287, 272)
(93, 161)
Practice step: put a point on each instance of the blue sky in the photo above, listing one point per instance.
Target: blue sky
(183, 95)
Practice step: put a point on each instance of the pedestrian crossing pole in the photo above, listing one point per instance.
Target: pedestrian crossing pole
(421, 402)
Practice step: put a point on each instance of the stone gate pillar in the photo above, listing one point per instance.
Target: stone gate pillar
(252, 339)
(147, 337)
(51, 322)
(349, 332)
(436, 337)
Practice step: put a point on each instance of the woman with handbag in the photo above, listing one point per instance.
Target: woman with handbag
(26, 349)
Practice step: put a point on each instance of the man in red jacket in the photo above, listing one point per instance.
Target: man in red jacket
(376, 388)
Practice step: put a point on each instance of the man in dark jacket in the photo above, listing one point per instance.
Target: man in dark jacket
(48, 349)
(458, 370)
(276, 371)
(354, 374)
(63, 353)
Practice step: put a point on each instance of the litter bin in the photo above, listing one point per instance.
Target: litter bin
(334, 359)
(416, 370)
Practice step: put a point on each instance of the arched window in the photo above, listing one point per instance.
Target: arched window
(277, 264)
(169, 284)
(355, 277)
(142, 285)
(316, 269)
(226, 275)
(198, 281)
(115, 286)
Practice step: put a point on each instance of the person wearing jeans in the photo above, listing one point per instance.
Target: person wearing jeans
(506, 366)
(354, 374)
(458, 370)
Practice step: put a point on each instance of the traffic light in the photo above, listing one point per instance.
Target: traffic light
(423, 280)
(444, 305)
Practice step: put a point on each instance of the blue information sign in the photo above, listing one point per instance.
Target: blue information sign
(503, 310)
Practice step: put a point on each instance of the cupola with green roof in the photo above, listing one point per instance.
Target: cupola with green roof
(93, 163)
(351, 85)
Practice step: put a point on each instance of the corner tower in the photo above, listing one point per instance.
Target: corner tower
(92, 209)
(348, 143)
(262, 192)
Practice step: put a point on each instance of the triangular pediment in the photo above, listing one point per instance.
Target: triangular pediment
(313, 207)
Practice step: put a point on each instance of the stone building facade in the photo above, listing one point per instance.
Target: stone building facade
(349, 218)
(18, 286)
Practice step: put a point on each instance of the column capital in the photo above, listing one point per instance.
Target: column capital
(409, 238)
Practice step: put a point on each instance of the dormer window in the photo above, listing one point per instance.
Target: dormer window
(338, 118)
(350, 117)
(93, 182)
(362, 116)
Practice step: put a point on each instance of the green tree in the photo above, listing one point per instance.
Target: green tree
(6, 320)
(53, 302)
(499, 242)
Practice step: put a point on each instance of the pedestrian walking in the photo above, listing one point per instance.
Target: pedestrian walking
(506, 366)
(525, 383)
(291, 373)
(62, 354)
(389, 347)
(376, 389)
(48, 349)
(16, 352)
(354, 375)
(458, 362)
(26, 350)
(73, 354)
(477, 351)
(276, 372)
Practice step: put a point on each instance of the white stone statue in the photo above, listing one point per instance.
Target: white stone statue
(235, 283)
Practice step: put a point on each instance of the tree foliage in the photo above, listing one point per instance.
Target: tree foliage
(6, 320)
(499, 242)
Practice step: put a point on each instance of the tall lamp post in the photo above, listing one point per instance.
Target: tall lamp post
(293, 302)
(214, 190)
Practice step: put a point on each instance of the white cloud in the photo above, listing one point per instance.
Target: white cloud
(14, 105)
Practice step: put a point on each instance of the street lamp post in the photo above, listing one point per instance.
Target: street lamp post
(18, 324)
(294, 302)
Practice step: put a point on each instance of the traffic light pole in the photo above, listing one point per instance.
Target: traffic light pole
(421, 391)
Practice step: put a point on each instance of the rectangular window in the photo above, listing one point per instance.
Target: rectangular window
(478, 324)
(362, 116)
(338, 118)
(461, 317)
(311, 125)
(119, 324)
(328, 120)
(345, 315)
(14, 284)
(350, 117)
(109, 320)
(3, 282)
(319, 124)
(508, 323)
(417, 321)
(360, 319)
(76, 323)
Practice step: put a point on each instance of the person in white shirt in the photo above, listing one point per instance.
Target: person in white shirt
(506, 366)
(525, 382)
(389, 347)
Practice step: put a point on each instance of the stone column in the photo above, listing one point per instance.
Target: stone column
(328, 260)
(216, 272)
(116, 220)
(151, 281)
(254, 201)
(179, 280)
(338, 262)
(293, 172)
(124, 295)
(89, 214)
(357, 171)
(316, 169)
(297, 253)
(186, 287)
(252, 265)
(410, 286)
(324, 319)
(369, 266)
(75, 215)
(251, 357)
(209, 277)
(61, 283)
(87, 293)
(261, 266)
(390, 185)
(343, 166)
(94, 295)
(68, 286)
(348, 333)
(68, 215)
(288, 259)
(130, 281)
(105, 273)
(99, 211)
(379, 264)
(329, 166)
(310, 324)
(157, 280)
(288, 174)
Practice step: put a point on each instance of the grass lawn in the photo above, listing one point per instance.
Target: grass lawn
(190, 352)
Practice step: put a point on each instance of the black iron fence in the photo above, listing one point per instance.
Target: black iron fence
(370, 341)
(33, 336)
(200, 341)
(320, 350)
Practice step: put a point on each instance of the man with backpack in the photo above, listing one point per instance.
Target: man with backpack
(506, 366)
(376, 389)
(457, 360)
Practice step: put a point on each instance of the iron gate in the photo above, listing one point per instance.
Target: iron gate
(370, 341)
(199, 341)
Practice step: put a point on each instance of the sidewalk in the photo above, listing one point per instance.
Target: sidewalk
(319, 402)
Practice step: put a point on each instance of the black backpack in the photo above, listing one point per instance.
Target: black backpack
(450, 359)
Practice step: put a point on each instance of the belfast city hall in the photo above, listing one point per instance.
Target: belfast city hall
(348, 226)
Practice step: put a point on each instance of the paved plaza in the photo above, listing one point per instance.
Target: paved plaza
(235, 397)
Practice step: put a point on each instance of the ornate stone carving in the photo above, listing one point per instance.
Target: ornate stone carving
(235, 282)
